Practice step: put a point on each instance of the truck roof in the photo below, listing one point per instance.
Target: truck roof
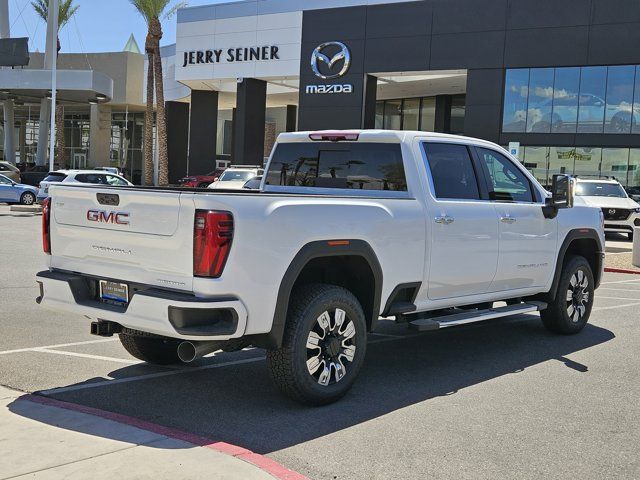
(379, 136)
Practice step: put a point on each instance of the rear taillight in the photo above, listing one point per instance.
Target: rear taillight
(212, 237)
(46, 226)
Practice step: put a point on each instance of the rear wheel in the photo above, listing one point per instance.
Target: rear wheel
(569, 312)
(27, 198)
(323, 347)
(150, 348)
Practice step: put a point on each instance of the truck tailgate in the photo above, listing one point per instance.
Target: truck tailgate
(139, 236)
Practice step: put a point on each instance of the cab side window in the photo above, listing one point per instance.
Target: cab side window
(505, 181)
(452, 171)
(115, 181)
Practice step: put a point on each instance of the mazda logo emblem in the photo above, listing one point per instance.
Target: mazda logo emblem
(612, 211)
(318, 57)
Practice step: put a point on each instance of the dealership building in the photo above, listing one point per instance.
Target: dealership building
(561, 78)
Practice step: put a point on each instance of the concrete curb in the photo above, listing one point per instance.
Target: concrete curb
(265, 464)
(621, 270)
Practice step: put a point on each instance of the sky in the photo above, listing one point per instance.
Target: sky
(99, 25)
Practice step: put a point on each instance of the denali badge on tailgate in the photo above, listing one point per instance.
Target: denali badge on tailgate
(101, 216)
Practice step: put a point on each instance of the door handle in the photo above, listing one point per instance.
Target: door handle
(507, 219)
(444, 220)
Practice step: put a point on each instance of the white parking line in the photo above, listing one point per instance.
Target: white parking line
(60, 345)
(621, 281)
(620, 289)
(86, 355)
(616, 298)
(612, 307)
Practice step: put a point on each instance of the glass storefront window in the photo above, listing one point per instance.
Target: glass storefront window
(633, 173)
(428, 114)
(615, 163)
(536, 159)
(379, 115)
(593, 81)
(393, 114)
(587, 161)
(540, 100)
(565, 100)
(516, 93)
(411, 114)
(619, 109)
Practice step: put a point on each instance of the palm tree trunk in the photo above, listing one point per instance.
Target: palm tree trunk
(148, 125)
(62, 152)
(163, 157)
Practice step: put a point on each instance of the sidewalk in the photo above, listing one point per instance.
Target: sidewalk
(40, 440)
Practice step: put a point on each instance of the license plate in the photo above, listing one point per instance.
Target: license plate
(114, 292)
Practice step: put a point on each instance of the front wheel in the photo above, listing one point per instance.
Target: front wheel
(27, 198)
(324, 345)
(569, 312)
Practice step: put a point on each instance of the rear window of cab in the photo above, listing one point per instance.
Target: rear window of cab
(55, 177)
(355, 166)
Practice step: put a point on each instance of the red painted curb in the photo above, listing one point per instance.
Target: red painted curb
(263, 463)
(622, 270)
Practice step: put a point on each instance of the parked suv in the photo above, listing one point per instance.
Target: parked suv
(234, 178)
(94, 177)
(425, 228)
(621, 213)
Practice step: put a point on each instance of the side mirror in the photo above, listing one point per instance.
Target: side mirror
(562, 193)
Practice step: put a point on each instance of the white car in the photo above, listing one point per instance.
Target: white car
(621, 213)
(234, 178)
(94, 177)
(430, 229)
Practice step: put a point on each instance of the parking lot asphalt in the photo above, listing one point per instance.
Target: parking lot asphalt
(499, 400)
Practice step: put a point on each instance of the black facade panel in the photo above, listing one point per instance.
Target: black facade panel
(611, 44)
(334, 24)
(548, 13)
(328, 118)
(390, 21)
(14, 52)
(335, 100)
(249, 122)
(485, 86)
(397, 54)
(203, 132)
(177, 139)
(547, 47)
(458, 16)
(483, 121)
(615, 11)
(467, 50)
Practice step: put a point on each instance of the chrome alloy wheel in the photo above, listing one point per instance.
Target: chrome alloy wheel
(330, 342)
(577, 296)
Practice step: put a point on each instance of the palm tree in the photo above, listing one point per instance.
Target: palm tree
(66, 10)
(152, 11)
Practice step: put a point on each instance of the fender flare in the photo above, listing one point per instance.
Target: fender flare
(572, 235)
(311, 251)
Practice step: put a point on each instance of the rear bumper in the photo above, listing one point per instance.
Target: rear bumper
(162, 312)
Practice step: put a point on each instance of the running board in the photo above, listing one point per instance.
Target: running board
(453, 320)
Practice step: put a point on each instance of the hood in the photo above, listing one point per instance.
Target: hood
(230, 185)
(609, 202)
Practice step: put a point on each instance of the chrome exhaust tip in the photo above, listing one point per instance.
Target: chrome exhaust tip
(191, 351)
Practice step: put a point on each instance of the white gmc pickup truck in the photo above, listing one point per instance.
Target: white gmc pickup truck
(434, 230)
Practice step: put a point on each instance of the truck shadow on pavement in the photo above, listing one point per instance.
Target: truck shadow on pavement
(239, 405)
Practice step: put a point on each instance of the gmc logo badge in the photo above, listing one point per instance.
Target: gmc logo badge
(101, 216)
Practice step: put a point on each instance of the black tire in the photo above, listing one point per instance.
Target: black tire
(151, 348)
(27, 198)
(566, 316)
(204, 185)
(289, 365)
(630, 235)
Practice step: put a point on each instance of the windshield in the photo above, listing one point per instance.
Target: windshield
(594, 189)
(237, 175)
